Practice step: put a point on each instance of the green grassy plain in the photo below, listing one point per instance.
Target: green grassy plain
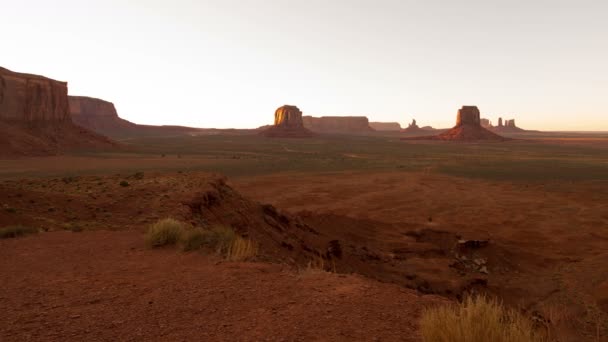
(251, 155)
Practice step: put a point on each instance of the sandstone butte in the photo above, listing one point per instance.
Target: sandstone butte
(287, 124)
(338, 124)
(468, 128)
(35, 117)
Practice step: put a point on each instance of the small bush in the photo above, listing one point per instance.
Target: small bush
(192, 240)
(74, 228)
(477, 319)
(124, 183)
(16, 231)
(164, 232)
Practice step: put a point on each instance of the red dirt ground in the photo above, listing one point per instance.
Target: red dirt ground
(106, 286)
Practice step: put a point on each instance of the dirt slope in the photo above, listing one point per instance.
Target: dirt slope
(105, 286)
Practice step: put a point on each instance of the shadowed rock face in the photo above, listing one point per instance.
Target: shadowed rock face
(468, 115)
(288, 116)
(32, 99)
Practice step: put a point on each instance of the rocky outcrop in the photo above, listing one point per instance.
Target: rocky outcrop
(338, 124)
(32, 99)
(288, 123)
(468, 128)
(35, 118)
(385, 126)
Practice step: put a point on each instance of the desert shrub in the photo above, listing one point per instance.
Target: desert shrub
(476, 319)
(16, 231)
(124, 183)
(10, 210)
(192, 239)
(164, 232)
(73, 227)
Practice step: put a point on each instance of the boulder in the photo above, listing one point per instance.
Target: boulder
(288, 123)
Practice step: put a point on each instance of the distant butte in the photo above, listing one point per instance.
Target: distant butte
(287, 124)
(468, 128)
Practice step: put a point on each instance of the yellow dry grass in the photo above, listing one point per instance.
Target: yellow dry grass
(476, 319)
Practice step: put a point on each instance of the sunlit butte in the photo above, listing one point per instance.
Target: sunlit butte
(230, 64)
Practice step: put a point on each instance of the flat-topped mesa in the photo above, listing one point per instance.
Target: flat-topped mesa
(510, 123)
(83, 106)
(32, 99)
(287, 124)
(338, 124)
(468, 115)
(385, 126)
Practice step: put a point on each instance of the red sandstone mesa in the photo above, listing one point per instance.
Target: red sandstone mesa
(287, 124)
(35, 117)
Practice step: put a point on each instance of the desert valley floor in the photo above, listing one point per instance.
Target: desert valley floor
(417, 223)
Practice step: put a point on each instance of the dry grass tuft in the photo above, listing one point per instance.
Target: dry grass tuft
(164, 232)
(477, 319)
(222, 240)
(241, 249)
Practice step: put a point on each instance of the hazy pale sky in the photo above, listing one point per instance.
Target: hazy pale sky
(231, 63)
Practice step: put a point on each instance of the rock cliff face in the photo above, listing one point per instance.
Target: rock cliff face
(338, 124)
(35, 118)
(385, 126)
(32, 99)
(468, 128)
(287, 124)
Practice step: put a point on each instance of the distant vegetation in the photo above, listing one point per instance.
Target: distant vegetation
(16, 231)
(476, 319)
(222, 240)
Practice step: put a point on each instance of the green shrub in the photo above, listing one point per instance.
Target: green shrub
(164, 232)
(16, 231)
(124, 183)
(192, 239)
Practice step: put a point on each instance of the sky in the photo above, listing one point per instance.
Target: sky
(231, 63)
